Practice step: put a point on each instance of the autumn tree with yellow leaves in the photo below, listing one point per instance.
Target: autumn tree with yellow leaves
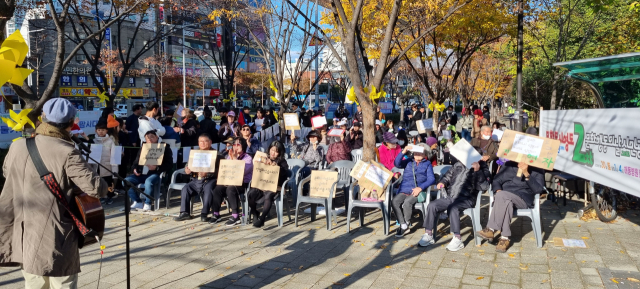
(447, 51)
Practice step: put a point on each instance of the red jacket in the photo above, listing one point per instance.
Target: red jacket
(339, 151)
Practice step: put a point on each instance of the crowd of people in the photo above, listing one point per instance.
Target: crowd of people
(459, 186)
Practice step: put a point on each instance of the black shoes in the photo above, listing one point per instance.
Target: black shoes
(400, 232)
(233, 221)
(214, 219)
(204, 218)
(257, 222)
(182, 217)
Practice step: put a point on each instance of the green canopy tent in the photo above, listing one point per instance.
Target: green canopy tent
(615, 80)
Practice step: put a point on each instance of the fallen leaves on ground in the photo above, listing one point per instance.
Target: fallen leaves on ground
(480, 278)
(633, 279)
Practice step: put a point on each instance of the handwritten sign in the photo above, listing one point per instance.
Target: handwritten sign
(152, 154)
(265, 177)
(321, 183)
(371, 176)
(231, 173)
(335, 132)
(318, 121)
(446, 134)
(535, 151)
(291, 121)
(259, 156)
(202, 161)
(465, 153)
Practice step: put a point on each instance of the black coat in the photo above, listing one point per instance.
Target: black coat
(460, 182)
(208, 126)
(190, 135)
(132, 127)
(507, 180)
(414, 119)
(357, 140)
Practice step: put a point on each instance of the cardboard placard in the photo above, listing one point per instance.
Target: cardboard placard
(152, 154)
(535, 151)
(265, 177)
(371, 176)
(496, 135)
(465, 153)
(291, 121)
(202, 161)
(231, 173)
(257, 158)
(318, 121)
(335, 132)
(376, 177)
(321, 183)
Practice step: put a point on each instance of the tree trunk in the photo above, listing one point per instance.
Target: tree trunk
(368, 130)
(554, 92)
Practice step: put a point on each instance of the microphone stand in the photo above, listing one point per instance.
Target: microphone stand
(127, 209)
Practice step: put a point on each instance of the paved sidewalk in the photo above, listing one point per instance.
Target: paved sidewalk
(191, 254)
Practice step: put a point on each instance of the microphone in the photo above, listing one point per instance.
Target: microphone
(80, 144)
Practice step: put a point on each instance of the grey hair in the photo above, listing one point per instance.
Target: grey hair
(485, 127)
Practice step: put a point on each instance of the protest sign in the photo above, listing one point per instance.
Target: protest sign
(318, 121)
(335, 132)
(96, 154)
(425, 125)
(535, 151)
(152, 154)
(116, 155)
(599, 145)
(257, 158)
(321, 183)
(371, 175)
(496, 135)
(446, 134)
(465, 153)
(291, 121)
(231, 173)
(376, 178)
(265, 177)
(202, 161)
(415, 148)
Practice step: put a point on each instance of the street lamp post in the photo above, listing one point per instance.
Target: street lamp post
(518, 114)
(184, 72)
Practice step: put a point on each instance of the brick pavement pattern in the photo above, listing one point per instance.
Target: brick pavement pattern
(192, 254)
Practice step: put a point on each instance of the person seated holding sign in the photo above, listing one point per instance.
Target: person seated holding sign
(460, 187)
(417, 177)
(237, 152)
(511, 191)
(150, 174)
(200, 183)
(276, 158)
(311, 153)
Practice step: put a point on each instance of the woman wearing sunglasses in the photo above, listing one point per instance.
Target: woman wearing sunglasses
(276, 158)
(232, 193)
(253, 144)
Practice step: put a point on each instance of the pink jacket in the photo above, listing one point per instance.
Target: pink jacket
(387, 156)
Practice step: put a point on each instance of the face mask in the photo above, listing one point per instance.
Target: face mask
(400, 142)
(486, 137)
(315, 142)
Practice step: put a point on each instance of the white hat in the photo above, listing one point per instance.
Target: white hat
(342, 123)
(378, 122)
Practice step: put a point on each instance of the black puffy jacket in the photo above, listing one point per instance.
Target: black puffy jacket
(460, 182)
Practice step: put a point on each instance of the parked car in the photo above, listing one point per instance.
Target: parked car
(120, 111)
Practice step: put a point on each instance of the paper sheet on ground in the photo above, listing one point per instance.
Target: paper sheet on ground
(465, 153)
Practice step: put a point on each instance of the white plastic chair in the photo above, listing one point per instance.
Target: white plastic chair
(356, 155)
(174, 186)
(157, 194)
(533, 214)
